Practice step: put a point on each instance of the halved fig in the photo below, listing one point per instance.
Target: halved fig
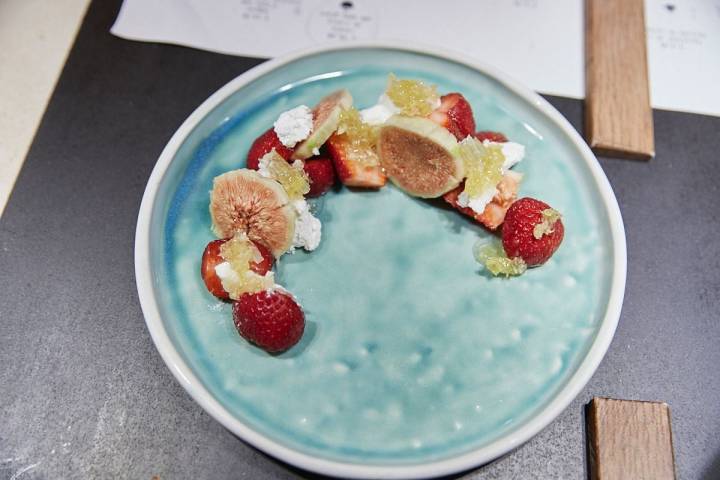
(244, 201)
(417, 155)
(326, 117)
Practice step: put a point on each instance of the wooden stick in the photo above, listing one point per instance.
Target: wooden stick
(618, 115)
(629, 439)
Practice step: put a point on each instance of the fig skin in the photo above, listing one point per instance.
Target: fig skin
(326, 118)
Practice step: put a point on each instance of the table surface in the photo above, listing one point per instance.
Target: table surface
(86, 395)
(35, 38)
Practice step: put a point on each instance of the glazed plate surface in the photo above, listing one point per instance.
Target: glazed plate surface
(415, 362)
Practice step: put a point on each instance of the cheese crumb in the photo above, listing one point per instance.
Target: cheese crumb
(237, 284)
(226, 273)
(294, 125)
(308, 229)
(264, 166)
(513, 153)
(379, 113)
(477, 204)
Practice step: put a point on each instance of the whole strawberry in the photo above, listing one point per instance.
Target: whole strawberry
(272, 320)
(321, 172)
(262, 145)
(532, 230)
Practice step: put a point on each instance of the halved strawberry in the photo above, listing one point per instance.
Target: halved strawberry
(264, 265)
(262, 145)
(455, 114)
(211, 258)
(491, 136)
(321, 172)
(355, 167)
(494, 214)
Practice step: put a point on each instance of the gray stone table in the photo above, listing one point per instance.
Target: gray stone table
(84, 394)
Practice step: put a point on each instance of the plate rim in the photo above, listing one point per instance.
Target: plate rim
(192, 385)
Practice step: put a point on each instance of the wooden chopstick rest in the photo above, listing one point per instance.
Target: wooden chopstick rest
(618, 115)
(629, 440)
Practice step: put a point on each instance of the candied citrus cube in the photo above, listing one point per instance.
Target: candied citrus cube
(239, 252)
(358, 137)
(292, 177)
(546, 226)
(493, 257)
(412, 97)
(351, 124)
(483, 165)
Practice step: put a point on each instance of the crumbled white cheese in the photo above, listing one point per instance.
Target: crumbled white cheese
(231, 280)
(226, 273)
(279, 288)
(513, 153)
(316, 151)
(463, 199)
(477, 204)
(436, 104)
(375, 115)
(294, 125)
(379, 113)
(264, 166)
(387, 102)
(308, 229)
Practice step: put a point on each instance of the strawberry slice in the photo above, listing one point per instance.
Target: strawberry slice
(455, 114)
(211, 258)
(494, 214)
(321, 172)
(356, 168)
(262, 145)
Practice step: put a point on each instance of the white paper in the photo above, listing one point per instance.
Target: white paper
(684, 54)
(539, 42)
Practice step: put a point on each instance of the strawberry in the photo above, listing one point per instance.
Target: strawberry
(211, 258)
(494, 214)
(356, 168)
(455, 114)
(272, 320)
(264, 265)
(262, 145)
(532, 231)
(321, 172)
(490, 136)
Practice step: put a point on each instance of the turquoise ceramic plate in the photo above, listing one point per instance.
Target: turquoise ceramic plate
(415, 362)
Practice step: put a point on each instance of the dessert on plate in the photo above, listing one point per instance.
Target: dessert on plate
(425, 143)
